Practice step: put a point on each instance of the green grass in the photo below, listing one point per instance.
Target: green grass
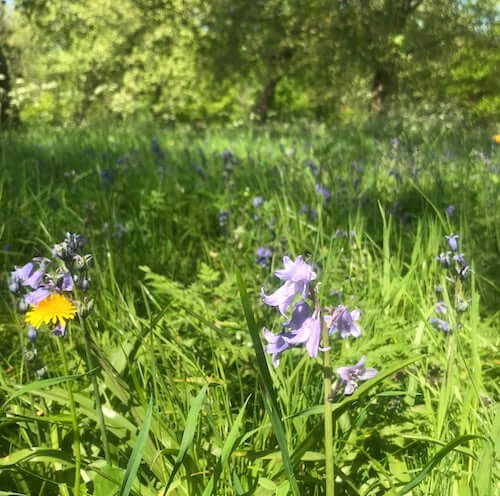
(169, 331)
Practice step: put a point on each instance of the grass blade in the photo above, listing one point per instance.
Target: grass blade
(188, 436)
(135, 458)
(436, 459)
(269, 395)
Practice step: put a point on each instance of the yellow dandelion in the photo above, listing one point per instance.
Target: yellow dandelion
(55, 309)
(497, 138)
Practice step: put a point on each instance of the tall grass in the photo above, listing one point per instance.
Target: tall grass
(183, 401)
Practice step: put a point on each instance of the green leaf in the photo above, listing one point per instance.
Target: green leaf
(188, 436)
(135, 458)
(36, 455)
(436, 459)
(269, 394)
(45, 383)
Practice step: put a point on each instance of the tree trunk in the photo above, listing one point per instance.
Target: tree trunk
(265, 99)
(4, 88)
(384, 88)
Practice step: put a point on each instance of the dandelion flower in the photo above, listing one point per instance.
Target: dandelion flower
(55, 309)
(497, 138)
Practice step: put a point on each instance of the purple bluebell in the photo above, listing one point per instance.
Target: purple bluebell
(351, 375)
(340, 233)
(35, 279)
(107, 175)
(460, 259)
(304, 209)
(452, 241)
(463, 272)
(440, 324)
(323, 190)
(263, 256)
(66, 282)
(156, 149)
(305, 329)
(344, 322)
(441, 308)
(19, 276)
(444, 259)
(32, 334)
(450, 210)
(36, 296)
(59, 331)
(223, 218)
(297, 276)
(257, 202)
(277, 344)
(200, 171)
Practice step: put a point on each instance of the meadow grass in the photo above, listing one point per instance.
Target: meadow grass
(182, 392)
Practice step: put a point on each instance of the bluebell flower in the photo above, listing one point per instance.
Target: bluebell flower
(257, 202)
(351, 375)
(223, 218)
(441, 308)
(107, 176)
(305, 329)
(344, 322)
(440, 324)
(444, 259)
(19, 275)
(323, 190)
(453, 241)
(297, 276)
(42, 372)
(450, 210)
(35, 279)
(263, 256)
(32, 334)
(277, 344)
(156, 149)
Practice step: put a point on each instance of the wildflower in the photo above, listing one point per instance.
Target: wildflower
(444, 259)
(19, 276)
(35, 279)
(54, 309)
(263, 256)
(450, 210)
(323, 190)
(440, 324)
(42, 372)
(344, 322)
(277, 345)
(257, 202)
(497, 138)
(32, 334)
(441, 308)
(453, 241)
(223, 218)
(351, 375)
(297, 276)
(340, 233)
(304, 329)
(460, 259)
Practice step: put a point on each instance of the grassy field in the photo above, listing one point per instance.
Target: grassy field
(172, 217)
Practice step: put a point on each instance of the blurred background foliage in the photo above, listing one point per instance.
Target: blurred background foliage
(233, 60)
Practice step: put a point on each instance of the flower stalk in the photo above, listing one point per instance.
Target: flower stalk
(74, 419)
(327, 385)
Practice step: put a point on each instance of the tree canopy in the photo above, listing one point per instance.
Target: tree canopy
(234, 59)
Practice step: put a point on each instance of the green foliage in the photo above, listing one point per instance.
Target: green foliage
(228, 60)
(169, 330)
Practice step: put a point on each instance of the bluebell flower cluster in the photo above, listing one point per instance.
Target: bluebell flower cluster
(458, 272)
(303, 328)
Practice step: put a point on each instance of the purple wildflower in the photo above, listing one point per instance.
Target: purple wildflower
(441, 308)
(440, 324)
(450, 210)
(297, 276)
(35, 297)
(344, 322)
(453, 241)
(305, 329)
(444, 259)
(263, 256)
(32, 334)
(277, 344)
(35, 279)
(257, 202)
(323, 190)
(351, 375)
(19, 276)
